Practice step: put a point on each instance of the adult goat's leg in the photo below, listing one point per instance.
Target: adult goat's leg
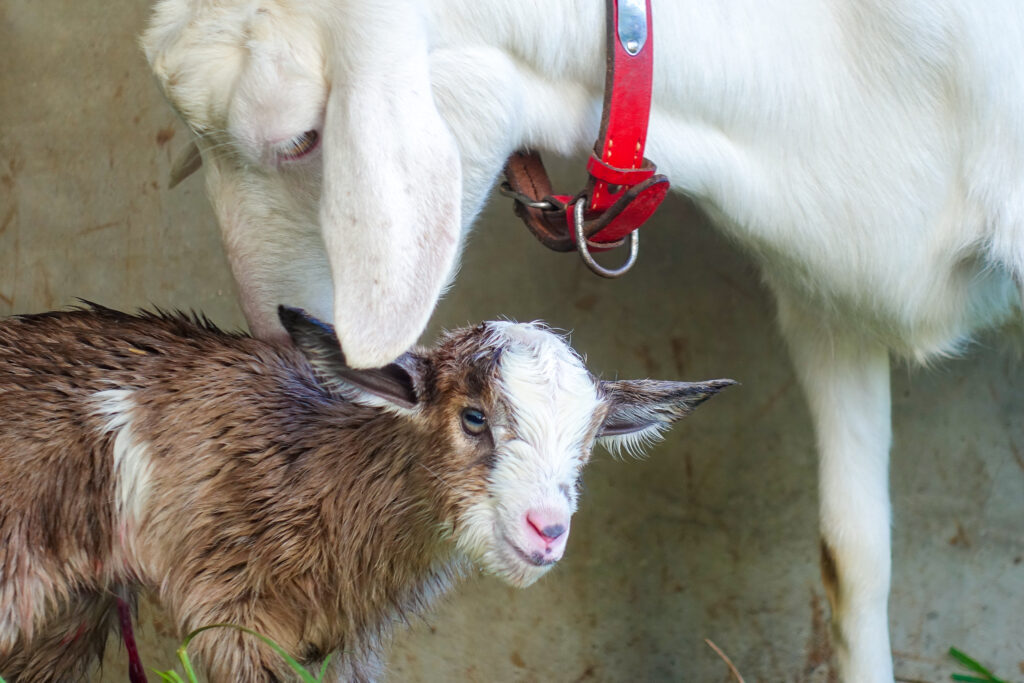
(846, 380)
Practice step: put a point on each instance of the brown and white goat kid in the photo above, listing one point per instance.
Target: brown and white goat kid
(276, 488)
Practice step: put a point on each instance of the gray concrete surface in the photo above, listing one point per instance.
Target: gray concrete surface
(713, 536)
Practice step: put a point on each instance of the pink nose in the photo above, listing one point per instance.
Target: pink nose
(546, 531)
(548, 523)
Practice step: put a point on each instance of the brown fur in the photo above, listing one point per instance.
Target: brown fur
(276, 504)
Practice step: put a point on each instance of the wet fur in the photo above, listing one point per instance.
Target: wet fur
(234, 475)
(243, 482)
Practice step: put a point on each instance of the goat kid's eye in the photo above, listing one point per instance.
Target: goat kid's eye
(474, 422)
(299, 146)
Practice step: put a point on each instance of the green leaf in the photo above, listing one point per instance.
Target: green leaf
(168, 676)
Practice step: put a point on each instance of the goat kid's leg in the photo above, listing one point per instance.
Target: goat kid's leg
(67, 648)
(846, 381)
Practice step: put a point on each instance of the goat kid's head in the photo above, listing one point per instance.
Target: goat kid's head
(516, 414)
(335, 180)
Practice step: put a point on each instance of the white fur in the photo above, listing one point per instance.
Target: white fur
(868, 153)
(133, 467)
(31, 584)
(542, 435)
(19, 598)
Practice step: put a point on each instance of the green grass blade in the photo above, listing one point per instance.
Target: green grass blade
(168, 676)
(187, 663)
(296, 667)
(323, 668)
(970, 663)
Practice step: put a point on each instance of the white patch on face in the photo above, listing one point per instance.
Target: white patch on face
(132, 464)
(541, 444)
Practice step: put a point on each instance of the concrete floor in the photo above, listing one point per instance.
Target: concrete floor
(713, 536)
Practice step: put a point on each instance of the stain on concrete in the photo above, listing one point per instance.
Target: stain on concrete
(1013, 446)
(164, 135)
(643, 353)
(819, 645)
(769, 403)
(8, 219)
(588, 674)
(45, 288)
(688, 466)
(586, 302)
(736, 286)
(680, 353)
(960, 538)
(98, 228)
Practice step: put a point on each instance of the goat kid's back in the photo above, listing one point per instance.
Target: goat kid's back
(276, 488)
(107, 418)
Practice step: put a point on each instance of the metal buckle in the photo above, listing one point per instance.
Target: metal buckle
(506, 189)
(582, 242)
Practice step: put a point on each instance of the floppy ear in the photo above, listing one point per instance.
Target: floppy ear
(639, 410)
(390, 206)
(388, 386)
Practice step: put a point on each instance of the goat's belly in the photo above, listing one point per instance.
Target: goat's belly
(916, 307)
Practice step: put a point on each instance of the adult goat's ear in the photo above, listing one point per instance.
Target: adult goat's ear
(388, 386)
(390, 207)
(639, 410)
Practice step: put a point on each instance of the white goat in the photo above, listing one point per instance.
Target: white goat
(868, 153)
(250, 483)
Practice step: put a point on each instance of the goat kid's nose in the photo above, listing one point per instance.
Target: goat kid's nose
(549, 524)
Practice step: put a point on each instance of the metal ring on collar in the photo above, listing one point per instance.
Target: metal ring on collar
(543, 204)
(581, 246)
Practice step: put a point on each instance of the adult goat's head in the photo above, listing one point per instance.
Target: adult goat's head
(335, 180)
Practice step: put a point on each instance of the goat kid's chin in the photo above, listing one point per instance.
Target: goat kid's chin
(518, 549)
(514, 565)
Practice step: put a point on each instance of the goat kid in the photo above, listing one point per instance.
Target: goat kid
(868, 154)
(276, 488)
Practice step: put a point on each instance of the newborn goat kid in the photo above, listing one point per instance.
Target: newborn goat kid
(276, 488)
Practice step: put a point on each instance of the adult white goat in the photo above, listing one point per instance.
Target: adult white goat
(869, 154)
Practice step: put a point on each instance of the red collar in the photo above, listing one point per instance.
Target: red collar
(623, 189)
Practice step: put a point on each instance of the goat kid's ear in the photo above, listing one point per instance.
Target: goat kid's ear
(641, 409)
(388, 386)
